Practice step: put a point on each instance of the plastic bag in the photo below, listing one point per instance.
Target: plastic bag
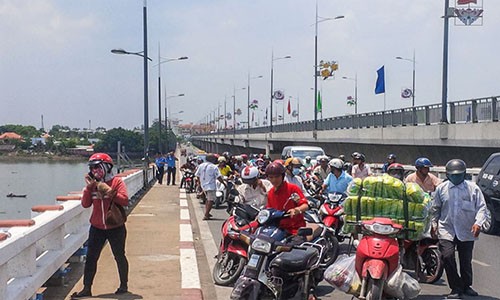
(342, 274)
(401, 285)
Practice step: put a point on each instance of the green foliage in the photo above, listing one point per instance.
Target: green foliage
(26, 132)
(132, 141)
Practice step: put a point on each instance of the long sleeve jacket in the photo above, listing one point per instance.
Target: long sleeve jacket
(101, 206)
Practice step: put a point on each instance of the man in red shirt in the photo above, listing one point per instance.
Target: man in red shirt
(279, 197)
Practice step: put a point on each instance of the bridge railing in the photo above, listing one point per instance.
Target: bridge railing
(31, 255)
(473, 110)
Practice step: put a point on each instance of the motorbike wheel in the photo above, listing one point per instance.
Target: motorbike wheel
(375, 289)
(490, 226)
(218, 201)
(228, 268)
(431, 269)
(333, 250)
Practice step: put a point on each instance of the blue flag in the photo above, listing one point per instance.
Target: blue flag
(380, 85)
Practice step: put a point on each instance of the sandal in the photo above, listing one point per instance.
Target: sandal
(121, 290)
(82, 294)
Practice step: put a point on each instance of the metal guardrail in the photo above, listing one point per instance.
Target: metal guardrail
(31, 255)
(464, 111)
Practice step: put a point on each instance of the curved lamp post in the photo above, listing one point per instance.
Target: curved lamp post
(355, 79)
(272, 92)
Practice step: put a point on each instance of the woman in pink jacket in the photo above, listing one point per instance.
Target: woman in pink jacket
(102, 188)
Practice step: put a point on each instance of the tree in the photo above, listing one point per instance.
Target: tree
(132, 141)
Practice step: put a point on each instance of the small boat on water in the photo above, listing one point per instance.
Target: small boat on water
(12, 195)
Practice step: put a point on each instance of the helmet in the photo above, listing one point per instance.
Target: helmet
(238, 158)
(456, 166)
(391, 156)
(323, 158)
(396, 170)
(275, 168)
(221, 159)
(360, 156)
(336, 163)
(266, 157)
(423, 162)
(98, 158)
(249, 174)
(226, 154)
(307, 157)
(244, 156)
(292, 161)
(342, 157)
(354, 154)
(211, 158)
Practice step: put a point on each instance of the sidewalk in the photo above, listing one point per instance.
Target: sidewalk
(156, 251)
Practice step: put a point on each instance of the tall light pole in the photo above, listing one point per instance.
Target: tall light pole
(234, 107)
(444, 87)
(166, 115)
(318, 20)
(413, 77)
(160, 61)
(355, 79)
(272, 92)
(248, 99)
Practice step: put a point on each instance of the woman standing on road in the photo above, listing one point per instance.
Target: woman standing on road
(102, 188)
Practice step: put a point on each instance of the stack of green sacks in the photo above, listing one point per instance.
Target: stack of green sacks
(382, 196)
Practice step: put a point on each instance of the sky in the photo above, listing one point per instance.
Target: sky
(56, 60)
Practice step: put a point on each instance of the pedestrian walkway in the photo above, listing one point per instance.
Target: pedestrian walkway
(160, 253)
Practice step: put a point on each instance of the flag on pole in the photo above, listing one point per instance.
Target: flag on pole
(464, 2)
(319, 105)
(266, 113)
(289, 108)
(380, 84)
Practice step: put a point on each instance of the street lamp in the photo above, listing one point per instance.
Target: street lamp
(272, 92)
(144, 54)
(160, 61)
(355, 79)
(413, 77)
(234, 108)
(248, 102)
(318, 20)
(166, 115)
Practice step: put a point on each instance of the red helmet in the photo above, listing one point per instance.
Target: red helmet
(275, 168)
(244, 156)
(396, 170)
(98, 158)
(396, 166)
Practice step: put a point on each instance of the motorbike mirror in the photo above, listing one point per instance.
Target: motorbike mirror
(304, 231)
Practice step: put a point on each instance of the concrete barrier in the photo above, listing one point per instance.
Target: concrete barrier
(29, 256)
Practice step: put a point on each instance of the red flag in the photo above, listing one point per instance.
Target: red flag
(289, 107)
(464, 2)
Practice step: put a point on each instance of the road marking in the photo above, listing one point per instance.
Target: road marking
(189, 269)
(480, 263)
(184, 203)
(185, 214)
(141, 215)
(186, 233)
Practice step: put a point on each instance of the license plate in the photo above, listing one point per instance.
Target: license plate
(254, 259)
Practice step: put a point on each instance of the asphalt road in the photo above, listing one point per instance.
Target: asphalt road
(486, 265)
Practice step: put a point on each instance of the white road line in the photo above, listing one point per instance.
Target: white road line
(185, 214)
(184, 202)
(182, 196)
(480, 263)
(189, 270)
(186, 233)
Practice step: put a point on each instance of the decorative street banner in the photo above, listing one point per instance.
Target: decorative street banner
(380, 84)
(327, 68)
(468, 12)
(350, 101)
(254, 104)
(406, 93)
(295, 113)
(238, 112)
(228, 116)
(279, 95)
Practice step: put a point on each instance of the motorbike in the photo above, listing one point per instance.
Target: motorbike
(331, 212)
(377, 256)
(188, 181)
(223, 194)
(277, 268)
(424, 257)
(232, 255)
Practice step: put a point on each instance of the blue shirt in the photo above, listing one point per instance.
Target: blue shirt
(170, 161)
(160, 162)
(337, 185)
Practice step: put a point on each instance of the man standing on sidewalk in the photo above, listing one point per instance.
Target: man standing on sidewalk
(170, 161)
(160, 165)
(207, 174)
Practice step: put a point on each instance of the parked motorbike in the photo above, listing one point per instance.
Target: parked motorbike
(424, 257)
(377, 256)
(232, 256)
(277, 268)
(188, 181)
(223, 194)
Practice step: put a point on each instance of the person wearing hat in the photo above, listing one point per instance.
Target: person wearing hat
(253, 190)
(322, 171)
(458, 211)
(391, 158)
(224, 168)
(359, 168)
(102, 187)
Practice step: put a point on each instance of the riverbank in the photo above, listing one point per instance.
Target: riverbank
(18, 157)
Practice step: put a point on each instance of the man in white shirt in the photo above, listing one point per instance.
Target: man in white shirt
(253, 191)
(207, 174)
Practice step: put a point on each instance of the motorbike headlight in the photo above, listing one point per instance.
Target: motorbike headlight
(261, 246)
(263, 216)
(382, 229)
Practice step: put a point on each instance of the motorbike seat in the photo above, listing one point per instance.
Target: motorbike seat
(296, 260)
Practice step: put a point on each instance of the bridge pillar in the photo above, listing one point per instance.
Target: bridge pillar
(474, 111)
(494, 111)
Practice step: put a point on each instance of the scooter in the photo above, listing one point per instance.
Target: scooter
(232, 256)
(188, 181)
(331, 213)
(377, 256)
(277, 268)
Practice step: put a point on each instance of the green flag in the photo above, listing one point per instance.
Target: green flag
(319, 105)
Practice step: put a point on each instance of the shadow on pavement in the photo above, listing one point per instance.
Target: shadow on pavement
(433, 297)
(127, 296)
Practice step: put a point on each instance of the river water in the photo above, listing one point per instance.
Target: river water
(40, 181)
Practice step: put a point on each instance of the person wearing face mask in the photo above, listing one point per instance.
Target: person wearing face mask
(102, 187)
(457, 214)
(337, 181)
(293, 170)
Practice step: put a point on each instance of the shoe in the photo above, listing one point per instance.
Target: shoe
(470, 292)
(454, 295)
(121, 290)
(81, 294)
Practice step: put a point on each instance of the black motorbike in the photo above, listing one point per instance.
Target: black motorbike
(278, 267)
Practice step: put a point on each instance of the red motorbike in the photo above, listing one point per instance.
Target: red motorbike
(331, 212)
(424, 257)
(377, 256)
(232, 256)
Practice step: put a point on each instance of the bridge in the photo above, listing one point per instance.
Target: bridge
(410, 132)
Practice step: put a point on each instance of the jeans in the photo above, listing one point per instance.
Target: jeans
(447, 248)
(159, 174)
(170, 174)
(96, 241)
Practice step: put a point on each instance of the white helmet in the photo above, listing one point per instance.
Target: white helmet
(221, 159)
(307, 157)
(249, 174)
(336, 163)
